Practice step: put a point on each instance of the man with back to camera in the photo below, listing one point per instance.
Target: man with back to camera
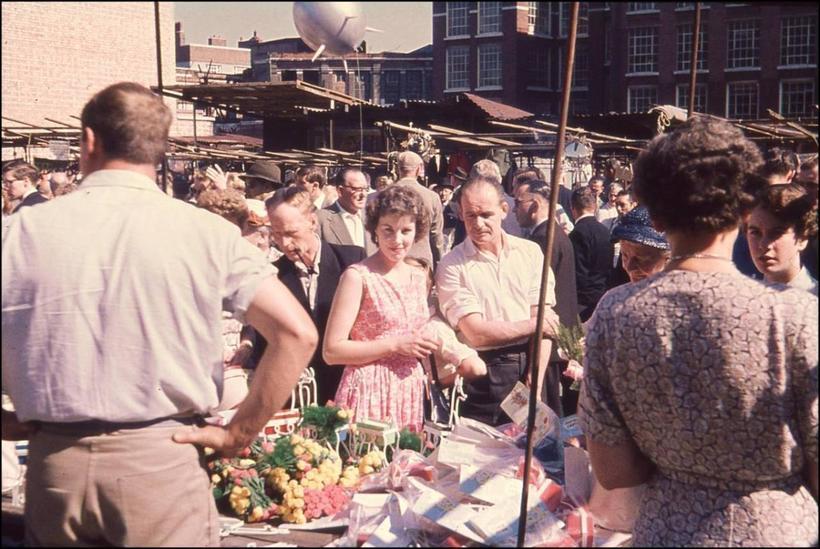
(488, 289)
(410, 167)
(593, 251)
(112, 301)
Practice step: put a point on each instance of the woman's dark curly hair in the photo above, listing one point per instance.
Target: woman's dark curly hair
(401, 200)
(699, 178)
(792, 206)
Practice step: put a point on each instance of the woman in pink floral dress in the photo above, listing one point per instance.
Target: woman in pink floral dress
(376, 327)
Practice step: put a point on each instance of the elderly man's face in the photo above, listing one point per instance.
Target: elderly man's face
(597, 187)
(292, 231)
(353, 192)
(483, 210)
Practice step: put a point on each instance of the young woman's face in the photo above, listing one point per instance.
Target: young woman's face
(774, 247)
(396, 234)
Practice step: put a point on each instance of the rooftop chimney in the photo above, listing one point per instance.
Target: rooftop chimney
(217, 40)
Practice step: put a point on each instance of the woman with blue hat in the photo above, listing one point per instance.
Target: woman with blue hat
(644, 251)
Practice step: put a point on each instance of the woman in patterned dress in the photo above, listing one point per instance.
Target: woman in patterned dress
(376, 327)
(700, 381)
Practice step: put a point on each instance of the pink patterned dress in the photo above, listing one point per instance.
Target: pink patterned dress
(391, 387)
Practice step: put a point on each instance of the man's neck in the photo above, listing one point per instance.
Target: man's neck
(346, 209)
(493, 248)
(148, 170)
(584, 214)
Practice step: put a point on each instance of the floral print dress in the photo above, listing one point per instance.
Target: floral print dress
(714, 377)
(392, 387)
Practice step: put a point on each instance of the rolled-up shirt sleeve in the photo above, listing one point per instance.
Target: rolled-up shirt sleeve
(598, 412)
(456, 300)
(247, 267)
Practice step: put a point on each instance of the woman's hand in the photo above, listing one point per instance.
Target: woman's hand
(416, 344)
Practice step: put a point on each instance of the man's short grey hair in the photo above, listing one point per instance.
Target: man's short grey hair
(475, 180)
(616, 186)
(487, 169)
(408, 162)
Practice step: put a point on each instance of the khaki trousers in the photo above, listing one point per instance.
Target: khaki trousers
(132, 487)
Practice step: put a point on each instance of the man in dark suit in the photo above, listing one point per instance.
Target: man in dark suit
(310, 268)
(593, 251)
(532, 212)
(20, 183)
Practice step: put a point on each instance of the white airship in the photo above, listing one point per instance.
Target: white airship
(334, 27)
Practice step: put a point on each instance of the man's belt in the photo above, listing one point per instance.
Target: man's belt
(95, 427)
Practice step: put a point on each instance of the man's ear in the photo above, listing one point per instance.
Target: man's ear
(505, 209)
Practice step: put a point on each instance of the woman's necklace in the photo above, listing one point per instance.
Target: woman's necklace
(699, 256)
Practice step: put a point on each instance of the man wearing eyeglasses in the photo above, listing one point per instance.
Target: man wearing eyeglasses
(343, 222)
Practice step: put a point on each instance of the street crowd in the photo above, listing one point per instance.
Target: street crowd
(129, 315)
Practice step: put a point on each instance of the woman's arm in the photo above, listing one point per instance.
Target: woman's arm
(619, 466)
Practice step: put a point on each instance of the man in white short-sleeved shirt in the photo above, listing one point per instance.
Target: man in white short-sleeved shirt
(112, 301)
(488, 288)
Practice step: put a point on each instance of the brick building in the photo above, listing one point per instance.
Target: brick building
(384, 78)
(56, 55)
(630, 55)
(214, 63)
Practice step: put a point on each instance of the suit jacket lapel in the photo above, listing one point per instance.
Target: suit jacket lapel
(329, 273)
(290, 278)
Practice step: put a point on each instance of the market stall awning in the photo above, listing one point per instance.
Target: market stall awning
(262, 98)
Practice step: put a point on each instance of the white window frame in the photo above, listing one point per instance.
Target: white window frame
(449, 52)
(484, 12)
(539, 12)
(808, 43)
(813, 92)
(450, 13)
(755, 48)
(632, 46)
(702, 87)
(632, 7)
(686, 47)
(757, 103)
(563, 19)
(482, 80)
(632, 89)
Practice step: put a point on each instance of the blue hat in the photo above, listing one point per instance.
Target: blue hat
(636, 226)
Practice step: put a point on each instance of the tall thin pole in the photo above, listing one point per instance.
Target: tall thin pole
(548, 248)
(693, 63)
(161, 88)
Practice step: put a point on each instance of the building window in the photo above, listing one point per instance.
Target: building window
(414, 84)
(538, 18)
(741, 100)
(579, 103)
(489, 65)
(489, 17)
(457, 18)
(641, 98)
(684, 5)
(643, 44)
(798, 41)
(580, 70)
(391, 87)
(540, 67)
(458, 58)
(640, 6)
(607, 45)
(685, 48)
(797, 97)
(583, 19)
(743, 44)
(682, 97)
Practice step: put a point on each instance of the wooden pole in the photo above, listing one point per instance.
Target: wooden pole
(161, 87)
(693, 63)
(548, 249)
